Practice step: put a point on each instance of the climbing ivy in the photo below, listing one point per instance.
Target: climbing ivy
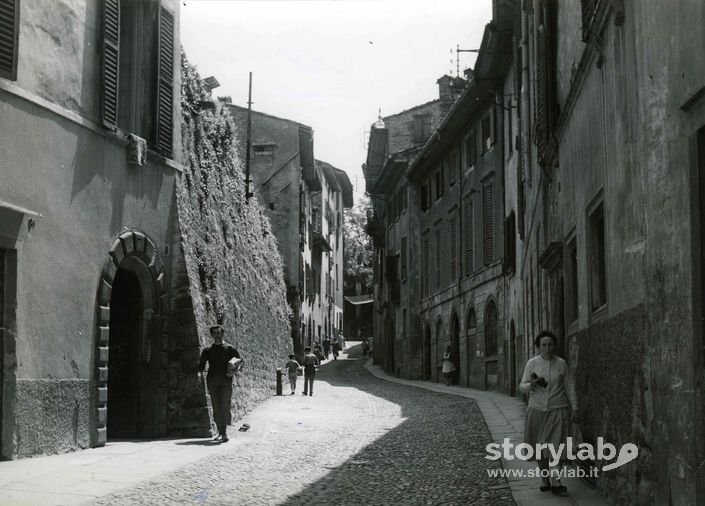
(234, 267)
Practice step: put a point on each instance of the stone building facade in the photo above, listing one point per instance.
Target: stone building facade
(103, 306)
(394, 140)
(84, 266)
(304, 199)
(613, 226)
(599, 114)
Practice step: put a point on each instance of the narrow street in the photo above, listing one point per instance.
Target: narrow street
(358, 440)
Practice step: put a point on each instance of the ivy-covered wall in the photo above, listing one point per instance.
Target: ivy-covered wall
(230, 264)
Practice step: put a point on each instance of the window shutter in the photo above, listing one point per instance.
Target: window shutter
(165, 87)
(111, 59)
(438, 260)
(9, 35)
(468, 238)
(453, 271)
(488, 223)
(493, 126)
(541, 94)
(403, 257)
(424, 267)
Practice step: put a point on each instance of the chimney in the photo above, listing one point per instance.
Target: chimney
(445, 93)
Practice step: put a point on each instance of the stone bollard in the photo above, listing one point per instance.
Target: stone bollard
(279, 381)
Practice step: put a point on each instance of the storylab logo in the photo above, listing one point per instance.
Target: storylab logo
(605, 452)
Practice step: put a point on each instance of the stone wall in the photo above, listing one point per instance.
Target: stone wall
(614, 400)
(232, 266)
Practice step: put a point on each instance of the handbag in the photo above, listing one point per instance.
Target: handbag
(234, 366)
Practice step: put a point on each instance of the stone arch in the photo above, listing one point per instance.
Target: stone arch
(439, 347)
(491, 326)
(455, 344)
(492, 339)
(133, 263)
(427, 371)
(512, 354)
(470, 340)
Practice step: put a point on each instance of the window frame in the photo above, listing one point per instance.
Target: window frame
(597, 256)
(570, 274)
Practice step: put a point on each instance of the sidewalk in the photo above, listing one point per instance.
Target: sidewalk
(85, 475)
(504, 416)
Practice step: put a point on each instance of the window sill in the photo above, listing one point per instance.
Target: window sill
(598, 314)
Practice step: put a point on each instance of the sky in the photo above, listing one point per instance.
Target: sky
(332, 64)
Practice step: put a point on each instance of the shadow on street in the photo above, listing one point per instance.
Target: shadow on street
(434, 456)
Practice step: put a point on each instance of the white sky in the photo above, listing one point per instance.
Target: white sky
(331, 64)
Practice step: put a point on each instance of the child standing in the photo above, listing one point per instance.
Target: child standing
(292, 368)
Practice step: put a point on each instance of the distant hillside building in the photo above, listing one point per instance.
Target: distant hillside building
(305, 199)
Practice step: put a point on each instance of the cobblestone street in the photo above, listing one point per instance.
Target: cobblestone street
(358, 440)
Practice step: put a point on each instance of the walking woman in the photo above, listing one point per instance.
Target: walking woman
(551, 398)
(448, 366)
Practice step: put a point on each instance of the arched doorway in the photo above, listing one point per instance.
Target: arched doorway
(125, 337)
(427, 353)
(470, 334)
(512, 359)
(491, 339)
(132, 380)
(455, 346)
(439, 351)
(131, 363)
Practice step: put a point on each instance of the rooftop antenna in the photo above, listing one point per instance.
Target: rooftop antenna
(457, 57)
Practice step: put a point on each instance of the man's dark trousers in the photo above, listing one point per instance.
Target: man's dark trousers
(221, 391)
(308, 382)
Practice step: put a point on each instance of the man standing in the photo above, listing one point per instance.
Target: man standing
(220, 385)
(310, 363)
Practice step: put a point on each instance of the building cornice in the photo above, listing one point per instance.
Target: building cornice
(118, 136)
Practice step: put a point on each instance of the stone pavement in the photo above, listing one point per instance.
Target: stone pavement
(358, 440)
(505, 419)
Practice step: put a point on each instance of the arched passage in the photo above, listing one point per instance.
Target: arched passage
(427, 353)
(470, 334)
(491, 339)
(131, 361)
(439, 345)
(455, 346)
(512, 359)
(126, 305)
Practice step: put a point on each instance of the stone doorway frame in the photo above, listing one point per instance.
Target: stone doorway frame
(130, 244)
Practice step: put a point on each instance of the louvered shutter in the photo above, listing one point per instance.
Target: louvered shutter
(9, 33)
(165, 87)
(493, 126)
(488, 223)
(541, 120)
(111, 59)
(438, 260)
(403, 257)
(424, 267)
(469, 266)
(453, 265)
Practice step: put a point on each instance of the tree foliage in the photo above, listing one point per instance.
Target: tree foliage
(359, 254)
